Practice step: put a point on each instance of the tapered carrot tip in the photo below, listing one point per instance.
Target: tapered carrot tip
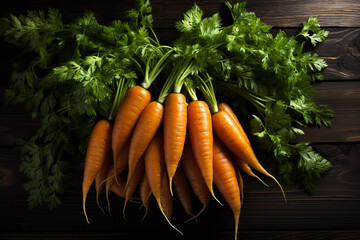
(167, 219)
(87, 219)
(197, 215)
(108, 202)
(98, 203)
(282, 191)
(213, 194)
(170, 184)
(146, 211)
(124, 215)
(256, 176)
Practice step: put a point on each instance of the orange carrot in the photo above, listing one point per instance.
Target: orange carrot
(175, 122)
(155, 168)
(194, 176)
(228, 132)
(98, 146)
(165, 196)
(182, 190)
(225, 179)
(131, 186)
(145, 193)
(133, 104)
(201, 138)
(144, 132)
(101, 177)
(225, 107)
(243, 165)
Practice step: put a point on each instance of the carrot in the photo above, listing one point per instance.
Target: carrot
(101, 177)
(175, 122)
(247, 169)
(98, 146)
(165, 196)
(228, 132)
(131, 186)
(145, 193)
(134, 102)
(155, 168)
(144, 132)
(121, 166)
(194, 177)
(182, 190)
(243, 165)
(201, 138)
(228, 109)
(225, 179)
(118, 189)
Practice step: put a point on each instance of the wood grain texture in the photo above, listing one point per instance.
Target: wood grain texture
(344, 99)
(341, 51)
(253, 235)
(331, 13)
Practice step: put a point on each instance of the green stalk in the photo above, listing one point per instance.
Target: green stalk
(207, 89)
(257, 101)
(189, 85)
(138, 66)
(183, 73)
(121, 91)
(168, 85)
(150, 76)
(156, 41)
(176, 79)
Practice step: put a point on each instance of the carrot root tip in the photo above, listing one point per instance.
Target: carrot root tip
(146, 211)
(277, 182)
(108, 202)
(213, 194)
(98, 203)
(124, 208)
(261, 180)
(162, 211)
(87, 219)
(170, 184)
(192, 218)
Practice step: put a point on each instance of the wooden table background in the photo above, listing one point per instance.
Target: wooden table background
(332, 212)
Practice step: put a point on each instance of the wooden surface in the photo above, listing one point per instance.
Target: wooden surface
(332, 212)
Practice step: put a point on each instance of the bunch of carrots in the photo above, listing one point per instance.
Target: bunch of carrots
(171, 145)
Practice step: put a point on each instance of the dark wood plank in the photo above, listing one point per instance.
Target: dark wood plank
(344, 99)
(254, 235)
(336, 13)
(341, 51)
(334, 205)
